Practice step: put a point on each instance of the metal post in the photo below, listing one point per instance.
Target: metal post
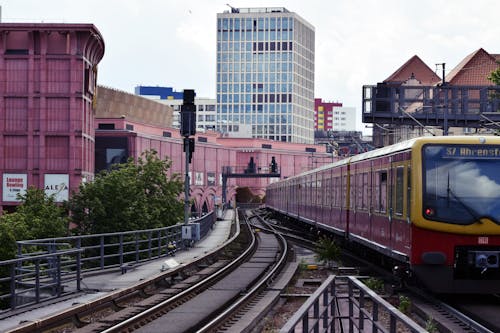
(13, 280)
(224, 188)
(78, 270)
(186, 182)
(445, 105)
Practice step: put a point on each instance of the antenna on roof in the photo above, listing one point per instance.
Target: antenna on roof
(233, 10)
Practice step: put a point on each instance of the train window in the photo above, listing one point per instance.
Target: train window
(352, 192)
(399, 190)
(319, 191)
(344, 192)
(380, 192)
(334, 191)
(365, 188)
(327, 193)
(461, 183)
(359, 186)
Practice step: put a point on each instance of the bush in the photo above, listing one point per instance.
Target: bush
(327, 250)
(375, 284)
(404, 304)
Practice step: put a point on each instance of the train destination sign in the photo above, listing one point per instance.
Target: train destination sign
(471, 152)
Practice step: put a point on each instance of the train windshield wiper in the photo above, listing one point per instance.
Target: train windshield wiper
(468, 208)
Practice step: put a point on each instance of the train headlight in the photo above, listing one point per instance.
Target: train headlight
(481, 261)
(486, 259)
(429, 211)
(492, 260)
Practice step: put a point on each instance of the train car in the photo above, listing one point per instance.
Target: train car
(430, 205)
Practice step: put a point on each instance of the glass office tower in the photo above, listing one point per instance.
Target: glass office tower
(265, 75)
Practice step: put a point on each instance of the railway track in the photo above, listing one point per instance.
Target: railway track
(122, 303)
(229, 298)
(235, 280)
(178, 295)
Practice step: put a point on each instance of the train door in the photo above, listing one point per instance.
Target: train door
(328, 198)
(370, 198)
(380, 202)
(314, 202)
(345, 200)
(353, 182)
(311, 202)
(337, 197)
(391, 202)
(359, 219)
(400, 228)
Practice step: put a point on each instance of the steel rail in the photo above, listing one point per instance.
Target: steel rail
(471, 323)
(157, 308)
(75, 311)
(237, 304)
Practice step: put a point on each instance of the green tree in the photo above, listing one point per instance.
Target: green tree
(131, 196)
(42, 216)
(7, 239)
(495, 76)
(38, 216)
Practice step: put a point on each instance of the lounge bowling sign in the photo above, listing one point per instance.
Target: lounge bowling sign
(14, 184)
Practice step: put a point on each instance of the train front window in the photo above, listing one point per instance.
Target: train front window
(461, 183)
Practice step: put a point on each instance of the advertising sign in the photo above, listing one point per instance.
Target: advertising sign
(211, 178)
(57, 185)
(14, 184)
(199, 178)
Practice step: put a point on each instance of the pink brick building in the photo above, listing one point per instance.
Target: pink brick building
(56, 133)
(47, 88)
(119, 138)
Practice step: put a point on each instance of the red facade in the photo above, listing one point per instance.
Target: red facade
(47, 87)
(323, 114)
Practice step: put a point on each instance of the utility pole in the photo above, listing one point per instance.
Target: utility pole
(443, 65)
(188, 128)
(445, 104)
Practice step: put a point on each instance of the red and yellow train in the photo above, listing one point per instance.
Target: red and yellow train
(431, 204)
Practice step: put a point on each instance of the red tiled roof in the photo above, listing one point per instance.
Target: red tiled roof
(418, 69)
(474, 69)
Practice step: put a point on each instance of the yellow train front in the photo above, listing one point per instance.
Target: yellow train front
(431, 205)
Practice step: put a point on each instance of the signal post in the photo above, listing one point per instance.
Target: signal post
(188, 128)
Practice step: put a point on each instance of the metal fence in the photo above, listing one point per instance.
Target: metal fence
(345, 304)
(459, 106)
(44, 267)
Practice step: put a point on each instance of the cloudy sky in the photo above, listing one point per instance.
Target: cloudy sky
(358, 42)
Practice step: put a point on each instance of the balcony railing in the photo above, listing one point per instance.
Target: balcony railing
(443, 106)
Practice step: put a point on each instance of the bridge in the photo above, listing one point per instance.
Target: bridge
(249, 171)
(442, 105)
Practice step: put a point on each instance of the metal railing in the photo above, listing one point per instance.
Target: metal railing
(350, 307)
(44, 268)
(460, 106)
